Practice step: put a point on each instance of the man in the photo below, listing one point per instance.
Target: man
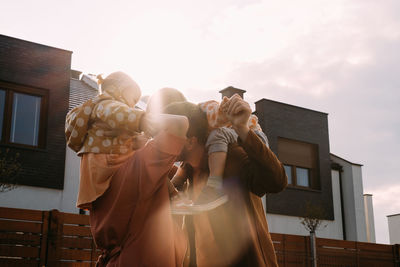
(131, 221)
(236, 233)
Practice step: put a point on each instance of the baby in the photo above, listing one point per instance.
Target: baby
(220, 136)
(116, 129)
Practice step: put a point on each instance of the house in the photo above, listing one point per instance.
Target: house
(34, 99)
(317, 178)
(38, 87)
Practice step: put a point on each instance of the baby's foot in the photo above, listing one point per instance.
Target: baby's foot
(210, 198)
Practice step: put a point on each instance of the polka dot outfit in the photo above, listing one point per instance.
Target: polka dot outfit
(216, 116)
(114, 128)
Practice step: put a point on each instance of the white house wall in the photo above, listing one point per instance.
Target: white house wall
(359, 204)
(353, 200)
(369, 218)
(38, 198)
(348, 201)
(394, 228)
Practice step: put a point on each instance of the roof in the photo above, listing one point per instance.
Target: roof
(265, 99)
(34, 43)
(80, 92)
(231, 88)
(346, 160)
(393, 215)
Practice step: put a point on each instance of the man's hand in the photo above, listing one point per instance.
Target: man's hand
(149, 125)
(238, 112)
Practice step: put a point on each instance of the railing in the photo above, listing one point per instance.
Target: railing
(53, 238)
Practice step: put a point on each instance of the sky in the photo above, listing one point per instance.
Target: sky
(338, 57)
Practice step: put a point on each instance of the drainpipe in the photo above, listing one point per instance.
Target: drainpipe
(342, 205)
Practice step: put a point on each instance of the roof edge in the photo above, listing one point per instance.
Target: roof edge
(352, 163)
(35, 43)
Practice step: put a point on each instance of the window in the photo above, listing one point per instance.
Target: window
(22, 115)
(300, 161)
(288, 170)
(303, 177)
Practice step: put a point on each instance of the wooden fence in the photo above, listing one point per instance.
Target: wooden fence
(53, 238)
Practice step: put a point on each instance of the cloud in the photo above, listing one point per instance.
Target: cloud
(346, 65)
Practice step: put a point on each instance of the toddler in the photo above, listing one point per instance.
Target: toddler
(115, 130)
(217, 143)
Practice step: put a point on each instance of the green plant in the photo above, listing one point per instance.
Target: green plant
(9, 170)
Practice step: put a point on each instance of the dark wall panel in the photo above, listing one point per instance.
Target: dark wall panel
(296, 123)
(39, 66)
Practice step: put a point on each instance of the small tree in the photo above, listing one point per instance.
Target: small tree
(9, 169)
(312, 218)
(312, 222)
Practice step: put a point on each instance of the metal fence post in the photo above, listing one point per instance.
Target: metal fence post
(313, 246)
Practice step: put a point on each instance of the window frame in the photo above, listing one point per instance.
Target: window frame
(294, 176)
(300, 154)
(10, 89)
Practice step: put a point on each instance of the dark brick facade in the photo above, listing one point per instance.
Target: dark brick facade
(296, 123)
(39, 66)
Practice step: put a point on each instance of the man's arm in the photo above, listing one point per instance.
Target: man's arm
(155, 160)
(264, 172)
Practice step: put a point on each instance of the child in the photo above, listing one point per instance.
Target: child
(220, 137)
(218, 140)
(115, 130)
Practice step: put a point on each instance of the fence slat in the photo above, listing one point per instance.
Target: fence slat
(21, 214)
(19, 251)
(75, 254)
(76, 219)
(20, 239)
(18, 226)
(19, 262)
(74, 264)
(76, 242)
(71, 230)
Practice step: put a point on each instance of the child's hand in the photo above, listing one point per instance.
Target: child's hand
(224, 105)
(238, 112)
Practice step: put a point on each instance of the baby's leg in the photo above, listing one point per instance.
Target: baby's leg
(216, 164)
(217, 147)
(213, 194)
